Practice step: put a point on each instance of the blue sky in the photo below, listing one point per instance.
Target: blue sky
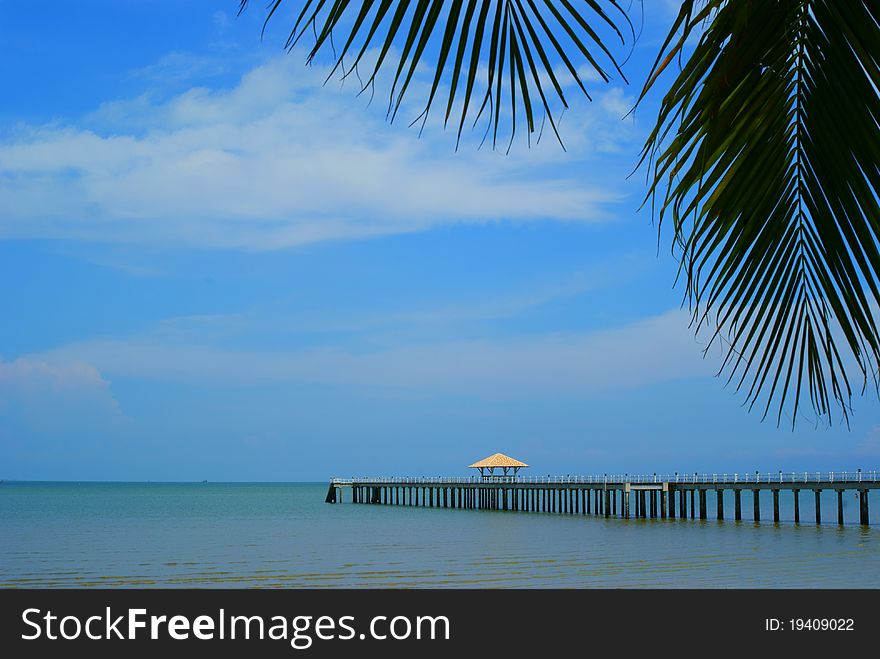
(214, 267)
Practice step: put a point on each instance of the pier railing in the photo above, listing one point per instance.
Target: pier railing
(856, 476)
(654, 495)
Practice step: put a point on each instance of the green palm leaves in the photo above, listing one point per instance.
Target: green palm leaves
(764, 156)
(493, 55)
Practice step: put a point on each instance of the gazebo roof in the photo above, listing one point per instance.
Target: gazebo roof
(497, 460)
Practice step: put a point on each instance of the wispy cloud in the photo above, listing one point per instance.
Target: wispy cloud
(24, 375)
(653, 350)
(279, 161)
(802, 449)
(179, 66)
(427, 321)
(52, 397)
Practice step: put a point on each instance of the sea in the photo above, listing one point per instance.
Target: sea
(283, 535)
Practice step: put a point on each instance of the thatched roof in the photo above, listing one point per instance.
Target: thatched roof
(497, 460)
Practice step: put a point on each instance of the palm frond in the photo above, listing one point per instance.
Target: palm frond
(766, 157)
(522, 44)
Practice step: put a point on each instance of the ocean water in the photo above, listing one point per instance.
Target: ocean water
(284, 535)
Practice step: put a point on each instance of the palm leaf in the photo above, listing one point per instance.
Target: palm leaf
(521, 42)
(765, 156)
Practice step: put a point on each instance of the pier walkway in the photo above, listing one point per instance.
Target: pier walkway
(626, 495)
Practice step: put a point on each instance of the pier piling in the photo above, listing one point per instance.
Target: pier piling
(622, 497)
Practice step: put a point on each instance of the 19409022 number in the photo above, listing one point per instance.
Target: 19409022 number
(821, 624)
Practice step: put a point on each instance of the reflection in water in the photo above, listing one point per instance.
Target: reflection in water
(257, 535)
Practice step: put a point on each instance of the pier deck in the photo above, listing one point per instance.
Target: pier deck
(626, 496)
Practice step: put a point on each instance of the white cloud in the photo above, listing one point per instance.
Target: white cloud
(221, 20)
(26, 375)
(178, 66)
(279, 161)
(54, 397)
(653, 350)
(616, 102)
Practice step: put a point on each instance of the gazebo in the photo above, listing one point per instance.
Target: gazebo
(498, 461)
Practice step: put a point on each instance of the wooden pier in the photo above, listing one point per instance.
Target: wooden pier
(625, 496)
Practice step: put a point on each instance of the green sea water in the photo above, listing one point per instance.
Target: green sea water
(284, 535)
